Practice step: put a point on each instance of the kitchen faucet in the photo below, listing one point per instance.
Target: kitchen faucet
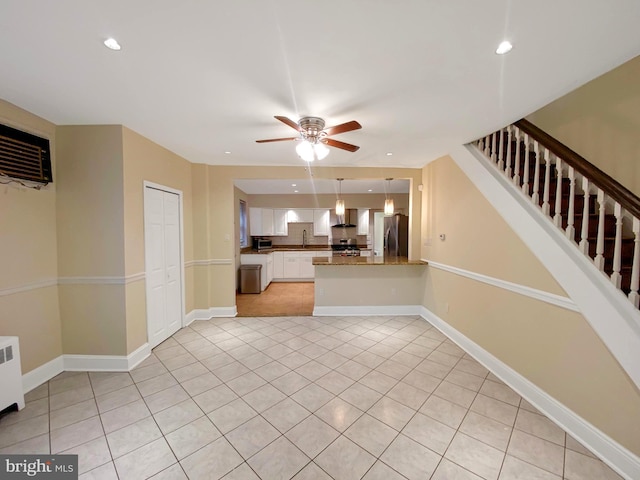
(304, 238)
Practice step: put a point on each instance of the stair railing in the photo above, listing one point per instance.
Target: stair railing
(605, 227)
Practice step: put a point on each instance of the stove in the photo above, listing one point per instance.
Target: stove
(345, 250)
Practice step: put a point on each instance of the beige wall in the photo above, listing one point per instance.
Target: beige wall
(90, 215)
(29, 261)
(601, 121)
(90, 201)
(144, 160)
(371, 285)
(554, 348)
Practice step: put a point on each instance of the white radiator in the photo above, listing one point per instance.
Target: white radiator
(10, 373)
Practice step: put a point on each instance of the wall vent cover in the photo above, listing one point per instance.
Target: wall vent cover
(24, 156)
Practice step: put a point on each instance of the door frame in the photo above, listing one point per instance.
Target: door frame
(156, 186)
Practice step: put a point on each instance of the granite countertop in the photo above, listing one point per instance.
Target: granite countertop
(365, 261)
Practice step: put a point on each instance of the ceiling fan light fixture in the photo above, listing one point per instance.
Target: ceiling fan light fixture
(305, 151)
(309, 152)
(321, 150)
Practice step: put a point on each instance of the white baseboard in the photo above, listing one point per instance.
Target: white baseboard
(43, 373)
(83, 363)
(138, 355)
(208, 313)
(611, 452)
(356, 310)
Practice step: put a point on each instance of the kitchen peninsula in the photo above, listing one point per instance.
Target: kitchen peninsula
(368, 285)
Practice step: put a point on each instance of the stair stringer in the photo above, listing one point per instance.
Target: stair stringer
(611, 315)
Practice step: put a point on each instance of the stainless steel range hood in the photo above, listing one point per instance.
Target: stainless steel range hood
(348, 219)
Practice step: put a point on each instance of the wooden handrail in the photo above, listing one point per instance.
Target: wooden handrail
(614, 189)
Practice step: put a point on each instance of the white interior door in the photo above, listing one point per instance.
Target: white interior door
(162, 263)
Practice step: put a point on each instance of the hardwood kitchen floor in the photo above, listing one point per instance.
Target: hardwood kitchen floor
(278, 300)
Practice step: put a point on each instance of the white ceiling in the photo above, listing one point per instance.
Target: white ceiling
(205, 77)
(320, 186)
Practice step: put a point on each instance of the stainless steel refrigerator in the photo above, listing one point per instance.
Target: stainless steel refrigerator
(396, 236)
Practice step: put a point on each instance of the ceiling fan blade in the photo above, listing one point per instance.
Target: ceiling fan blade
(289, 122)
(344, 146)
(277, 139)
(343, 127)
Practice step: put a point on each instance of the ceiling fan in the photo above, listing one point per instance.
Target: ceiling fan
(314, 136)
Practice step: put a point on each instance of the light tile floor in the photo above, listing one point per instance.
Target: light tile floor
(300, 397)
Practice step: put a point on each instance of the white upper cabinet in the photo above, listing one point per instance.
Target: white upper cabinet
(260, 221)
(255, 222)
(321, 224)
(267, 221)
(363, 221)
(280, 222)
(301, 215)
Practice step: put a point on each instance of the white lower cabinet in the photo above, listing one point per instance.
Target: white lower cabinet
(291, 265)
(297, 264)
(278, 265)
(306, 266)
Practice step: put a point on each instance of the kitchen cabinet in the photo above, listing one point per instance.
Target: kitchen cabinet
(307, 270)
(291, 265)
(266, 272)
(278, 265)
(280, 222)
(363, 221)
(301, 215)
(261, 222)
(321, 226)
(299, 264)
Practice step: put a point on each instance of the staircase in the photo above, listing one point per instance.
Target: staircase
(595, 212)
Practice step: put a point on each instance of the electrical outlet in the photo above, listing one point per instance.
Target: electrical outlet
(321, 292)
(446, 307)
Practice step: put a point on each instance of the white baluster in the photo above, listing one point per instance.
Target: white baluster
(616, 277)
(557, 217)
(535, 196)
(527, 152)
(571, 230)
(508, 155)
(516, 177)
(599, 260)
(501, 152)
(487, 144)
(494, 154)
(635, 270)
(584, 234)
(547, 180)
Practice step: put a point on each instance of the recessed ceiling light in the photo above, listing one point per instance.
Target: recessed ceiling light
(295, 191)
(227, 152)
(369, 190)
(112, 44)
(389, 154)
(294, 185)
(504, 47)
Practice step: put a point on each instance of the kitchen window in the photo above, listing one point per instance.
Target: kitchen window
(244, 240)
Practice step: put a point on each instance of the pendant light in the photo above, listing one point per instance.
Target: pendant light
(339, 201)
(388, 202)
